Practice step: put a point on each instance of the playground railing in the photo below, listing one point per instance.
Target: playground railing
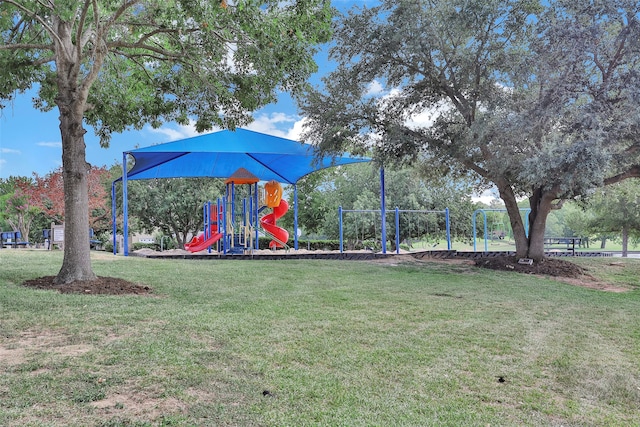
(397, 213)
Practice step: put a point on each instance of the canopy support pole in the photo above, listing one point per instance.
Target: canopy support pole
(125, 208)
(114, 227)
(295, 216)
(256, 219)
(383, 212)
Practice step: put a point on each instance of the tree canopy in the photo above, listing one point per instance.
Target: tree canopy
(40, 200)
(119, 64)
(538, 99)
(616, 210)
(16, 209)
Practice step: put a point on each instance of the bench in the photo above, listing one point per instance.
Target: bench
(93, 242)
(12, 239)
(568, 242)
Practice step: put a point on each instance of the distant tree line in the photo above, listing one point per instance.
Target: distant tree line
(173, 208)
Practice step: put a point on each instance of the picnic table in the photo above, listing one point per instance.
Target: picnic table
(568, 242)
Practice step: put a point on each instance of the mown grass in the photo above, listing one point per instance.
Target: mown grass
(318, 343)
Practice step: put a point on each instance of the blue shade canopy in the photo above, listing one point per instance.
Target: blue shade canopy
(220, 154)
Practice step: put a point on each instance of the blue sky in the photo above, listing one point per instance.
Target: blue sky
(30, 140)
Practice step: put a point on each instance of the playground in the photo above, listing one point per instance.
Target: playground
(242, 157)
(233, 223)
(248, 209)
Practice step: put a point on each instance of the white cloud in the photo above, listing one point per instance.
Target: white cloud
(49, 144)
(179, 131)
(486, 197)
(374, 88)
(268, 123)
(296, 131)
(282, 118)
(424, 118)
(427, 118)
(171, 134)
(276, 124)
(9, 151)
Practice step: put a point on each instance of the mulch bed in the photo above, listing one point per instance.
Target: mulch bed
(547, 267)
(101, 286)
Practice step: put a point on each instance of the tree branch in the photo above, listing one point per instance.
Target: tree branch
(557, 204)
(631, 150)
(165, 53)
(632, 172)
(147, 36)
(37, 17)
(25, 46)
(599, 64)
(101, 47)
(80, 31)
(43, 61)
(126, 5)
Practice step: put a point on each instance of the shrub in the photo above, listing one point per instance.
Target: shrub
(314, 245)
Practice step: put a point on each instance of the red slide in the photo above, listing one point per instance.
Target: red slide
(268, 222)
(198, 243)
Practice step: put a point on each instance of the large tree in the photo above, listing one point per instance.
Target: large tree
(115, 64)
(538, 99)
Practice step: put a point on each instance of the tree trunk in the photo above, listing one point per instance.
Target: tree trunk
(23, 226)
(540, 203)
(182, 239)
(515, 219)
(625, 241)
(76, 264)
(531, 246)
(71, 100)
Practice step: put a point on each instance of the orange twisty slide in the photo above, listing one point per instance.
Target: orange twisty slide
(268, 222)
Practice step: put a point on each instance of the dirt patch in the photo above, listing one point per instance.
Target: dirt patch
(138, 404)
(101, 286)
(396, 260)
(17, 350)
(555, 267)
(559, 269)
(593, 284)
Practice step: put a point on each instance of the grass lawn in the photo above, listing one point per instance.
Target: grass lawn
(318, 343)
